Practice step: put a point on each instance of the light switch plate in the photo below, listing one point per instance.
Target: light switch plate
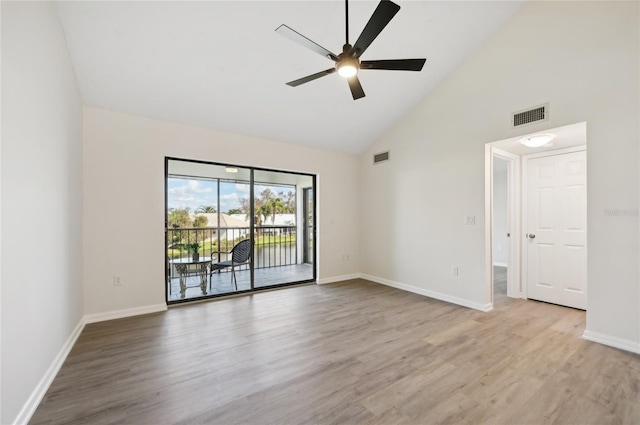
(470, 220)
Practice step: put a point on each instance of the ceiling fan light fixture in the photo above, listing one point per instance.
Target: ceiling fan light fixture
(537, 140)
(347, 68)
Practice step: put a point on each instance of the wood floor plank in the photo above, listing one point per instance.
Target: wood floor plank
(346, 353)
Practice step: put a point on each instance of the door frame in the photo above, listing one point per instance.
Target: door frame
(514, 283)
(251, 168)
(525, 161)
(306, 192)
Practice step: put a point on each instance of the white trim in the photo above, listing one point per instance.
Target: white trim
(500, 264)
(431, 294)
(29, 408)
(524, 261)
(612, 341)
(337, 278)
(128, 312)
(488, 222)
(514, 224)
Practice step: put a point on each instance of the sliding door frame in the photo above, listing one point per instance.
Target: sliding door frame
(251, 169)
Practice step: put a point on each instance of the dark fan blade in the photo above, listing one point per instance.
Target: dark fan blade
(356, 87)
(394, 64)
(385, 11)
(301, 39)
(312, 77)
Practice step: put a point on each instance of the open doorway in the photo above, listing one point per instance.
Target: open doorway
(500, 231)
(536, 225)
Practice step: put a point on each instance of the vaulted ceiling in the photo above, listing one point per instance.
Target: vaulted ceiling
(220, 65)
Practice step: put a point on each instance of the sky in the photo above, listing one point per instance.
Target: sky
(189, 193)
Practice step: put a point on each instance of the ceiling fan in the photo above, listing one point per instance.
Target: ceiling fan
(348, 62)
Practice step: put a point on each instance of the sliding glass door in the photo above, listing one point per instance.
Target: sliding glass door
(279, 228)
(232, 229)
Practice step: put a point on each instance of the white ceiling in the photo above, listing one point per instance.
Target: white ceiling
(564, 137)
(219, 64)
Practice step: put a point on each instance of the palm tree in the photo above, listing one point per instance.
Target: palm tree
(260, 210)
(207, 209)
(275, 206)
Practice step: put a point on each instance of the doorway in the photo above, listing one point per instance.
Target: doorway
(500, 227)
(234, 229)
(524, 200)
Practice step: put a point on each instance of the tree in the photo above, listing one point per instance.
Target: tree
(200, 221)
(274, 206)
(206, 209)
(290, 202)
(266, 194)
(179, 217)
(198, 235)
(259, 211)
(234, 211)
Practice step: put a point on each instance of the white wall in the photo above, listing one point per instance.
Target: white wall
(582, 58)
(500, 212)
(41, 199)
(124, 200)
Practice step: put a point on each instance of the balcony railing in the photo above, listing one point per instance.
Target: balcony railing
(274, 246)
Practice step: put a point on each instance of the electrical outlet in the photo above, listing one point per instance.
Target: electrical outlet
(470, 220)
(117, 281)
(454, 271)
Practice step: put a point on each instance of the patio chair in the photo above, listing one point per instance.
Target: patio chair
(240, 254)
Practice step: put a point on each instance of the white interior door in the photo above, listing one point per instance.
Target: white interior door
(556, 229)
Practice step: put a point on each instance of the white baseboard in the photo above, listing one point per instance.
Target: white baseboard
(495, 263)
(431, 294)
(128, 312)
(38, 393)
(623, 344)
(338, 278)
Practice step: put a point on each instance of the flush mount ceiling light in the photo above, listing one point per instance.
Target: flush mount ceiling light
(231, 170)
(537, 140)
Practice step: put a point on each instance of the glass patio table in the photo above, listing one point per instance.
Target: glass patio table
(186, 266)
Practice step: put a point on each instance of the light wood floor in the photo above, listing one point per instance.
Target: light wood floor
(347, 353)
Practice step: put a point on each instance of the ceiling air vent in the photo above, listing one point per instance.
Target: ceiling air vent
(381, 157)
(530, 116)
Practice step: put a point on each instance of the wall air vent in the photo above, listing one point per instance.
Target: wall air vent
(381, 157)
(530, 116)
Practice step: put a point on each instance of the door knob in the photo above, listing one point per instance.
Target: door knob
(531, 235)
